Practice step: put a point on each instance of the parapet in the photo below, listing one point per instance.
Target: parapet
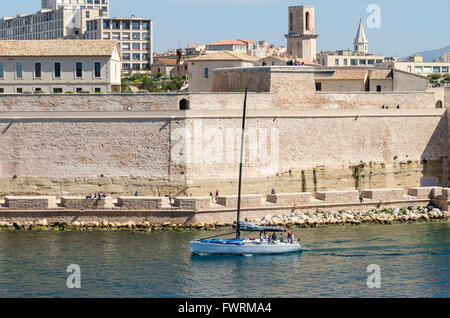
(140, 203)
(383, 194)
(290, 199)
(247, 200)
(193, 203)
(425, 192)
(80, 203)
(349, 196)
(27, 203)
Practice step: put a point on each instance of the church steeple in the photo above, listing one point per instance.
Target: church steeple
(361, 44)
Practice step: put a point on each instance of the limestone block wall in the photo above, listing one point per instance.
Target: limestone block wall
(337, 196)
(249, 200)
(290, 199)
(193, 203)
(383, 194)
(90, 102)
(80, 203)
(27, 203)
(139, 203)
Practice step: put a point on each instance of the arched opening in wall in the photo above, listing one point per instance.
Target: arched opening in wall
(439, 104)
(307, 21)
(184, 104)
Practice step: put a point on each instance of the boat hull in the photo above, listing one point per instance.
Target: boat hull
(200, 248)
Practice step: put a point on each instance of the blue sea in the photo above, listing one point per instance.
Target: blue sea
(413, 260)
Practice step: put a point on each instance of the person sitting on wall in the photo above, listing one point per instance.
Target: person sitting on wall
(361, 199)
(136, 194)
(273, 191)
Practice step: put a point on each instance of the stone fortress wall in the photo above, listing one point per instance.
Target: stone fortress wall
(78, 144)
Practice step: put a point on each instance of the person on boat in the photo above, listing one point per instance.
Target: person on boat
(269, 240)
(265, 236)
(292, 238)
(170, 197)
(274, 238)
(281, 237)
(260, 237)
(289, 237)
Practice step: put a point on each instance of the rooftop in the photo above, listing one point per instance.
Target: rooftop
(226, 56)
(42, 48)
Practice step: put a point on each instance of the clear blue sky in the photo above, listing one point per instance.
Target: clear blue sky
(407, 26)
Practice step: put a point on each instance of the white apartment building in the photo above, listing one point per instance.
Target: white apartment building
(85, 19)
(135, 37)
(59, 66)
(77, 4)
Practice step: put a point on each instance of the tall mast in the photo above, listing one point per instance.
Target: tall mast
(238, 223)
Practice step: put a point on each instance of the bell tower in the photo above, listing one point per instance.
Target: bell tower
(301, 39)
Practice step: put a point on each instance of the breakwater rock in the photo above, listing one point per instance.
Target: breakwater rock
(300, 219)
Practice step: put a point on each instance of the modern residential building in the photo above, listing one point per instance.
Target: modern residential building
(59, 66)
(77, 4)
(135, 37)
(228, 45)
(47, 24)
(445, 58)
(360, 56)
(416, 65)
(85, 19)
(348, 58)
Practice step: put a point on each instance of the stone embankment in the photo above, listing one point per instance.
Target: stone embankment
(313, 219)
(383, 206)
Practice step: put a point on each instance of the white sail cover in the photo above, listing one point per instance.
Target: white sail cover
(251, 227)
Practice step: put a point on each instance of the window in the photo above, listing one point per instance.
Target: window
(57, 70)
(126, 56)
(371, 62)
(336, 62)
(409, 69)
(345, 62)
(318, 86)
(79, 69)
(37, 70)
(57, 90)
(378, 88)
(418, 69)
(2, 90)
(38, 90)
(19, 70)
(98, 90)
(206, 72)
(436, 69)
(79, 90)
(97, 69)
(362, 62)
(444, 69)
(19, 91)
(2, 70)
(354, 62)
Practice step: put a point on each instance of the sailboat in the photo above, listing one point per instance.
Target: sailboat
(238, 246)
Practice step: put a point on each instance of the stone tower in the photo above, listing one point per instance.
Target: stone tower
(361, 44)
(301, 39)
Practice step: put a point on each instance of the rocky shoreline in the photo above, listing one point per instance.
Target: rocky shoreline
(298, 219)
